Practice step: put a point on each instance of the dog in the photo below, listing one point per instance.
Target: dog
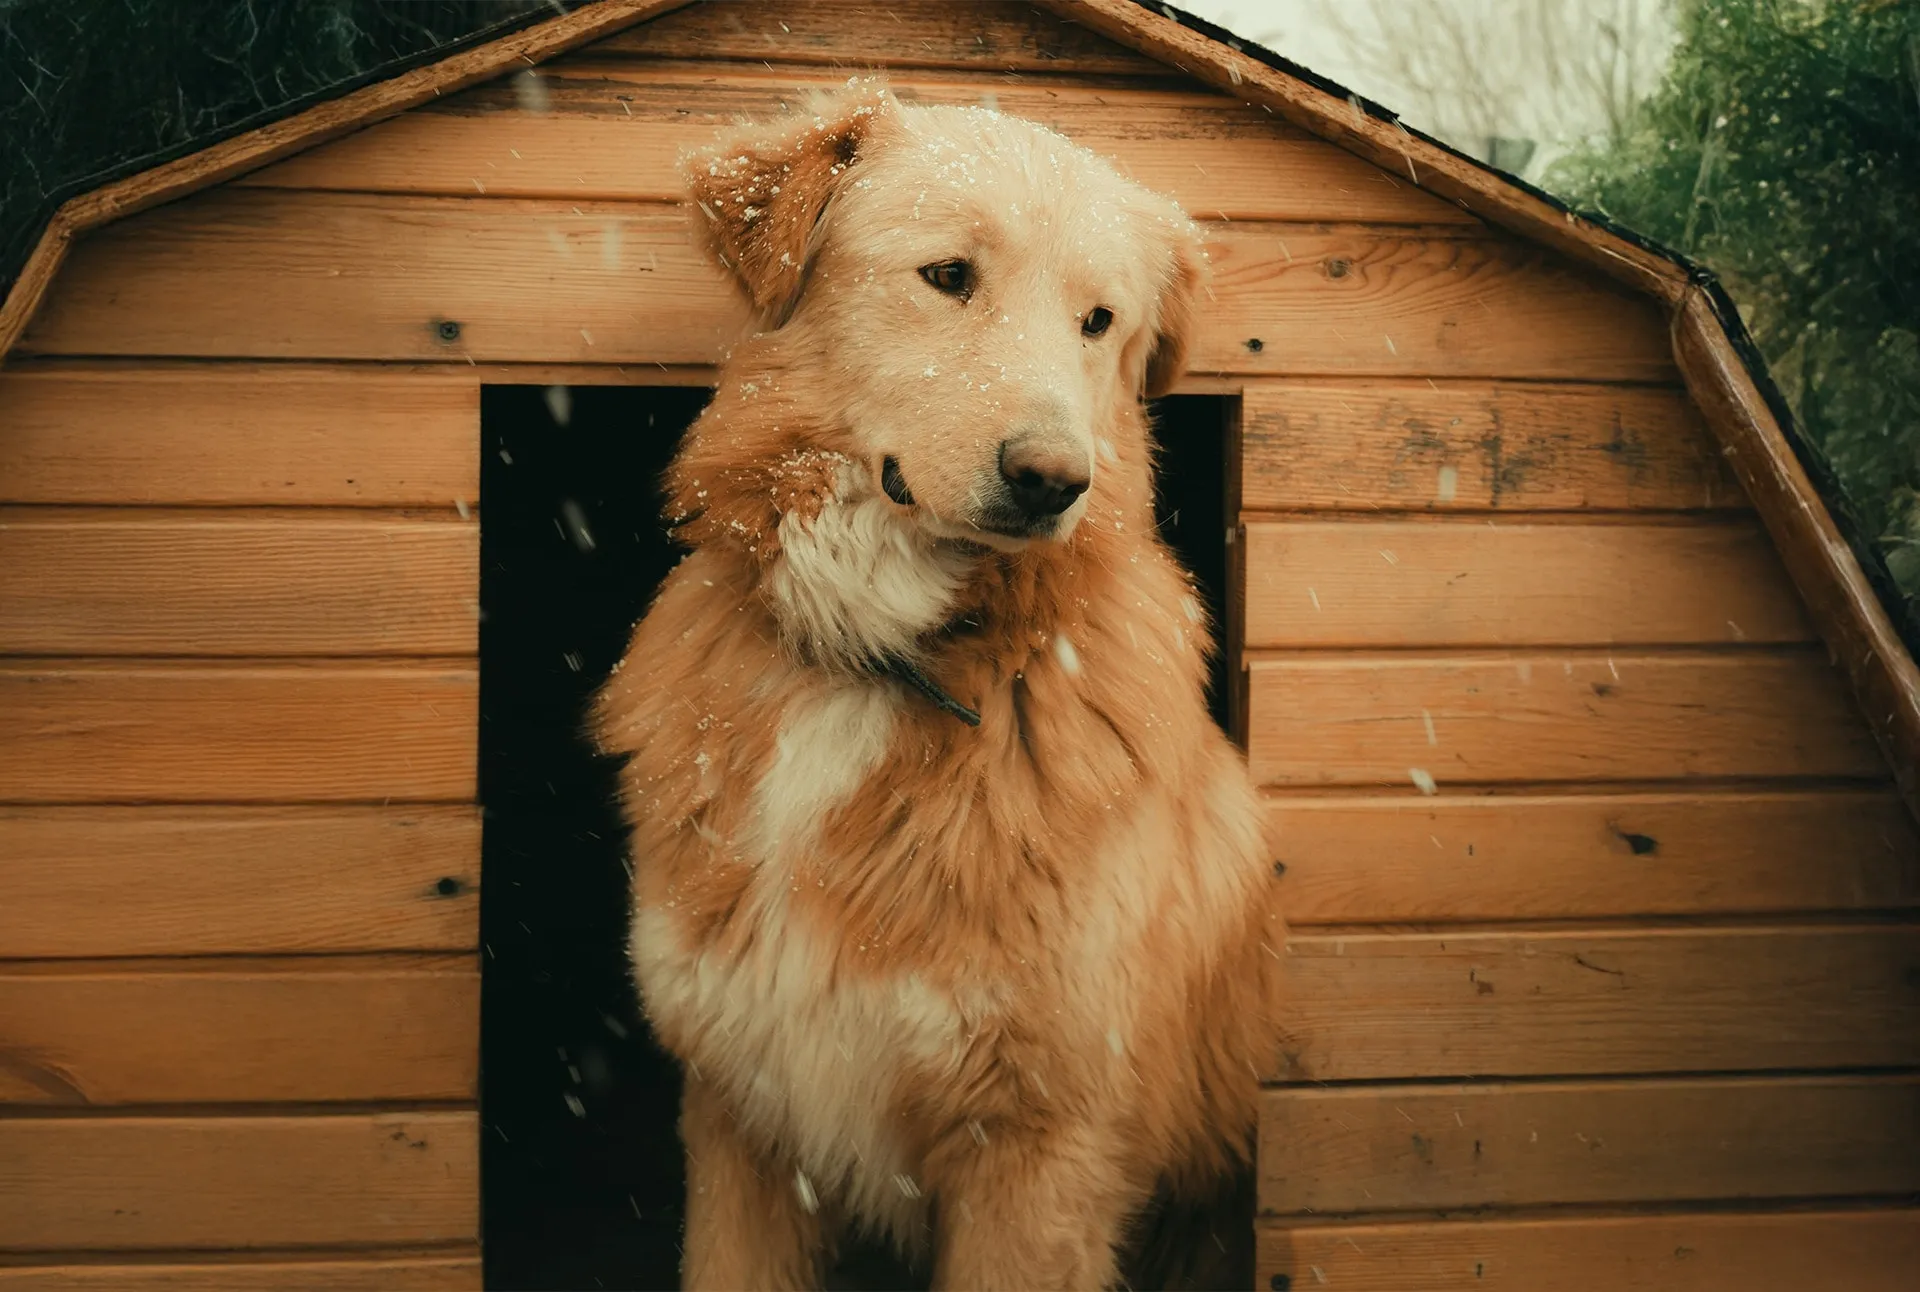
(948, 894)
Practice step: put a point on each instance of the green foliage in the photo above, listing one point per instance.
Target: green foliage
(1783, 151)
(87, 86)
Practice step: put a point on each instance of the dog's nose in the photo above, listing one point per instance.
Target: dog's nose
(1043, 478)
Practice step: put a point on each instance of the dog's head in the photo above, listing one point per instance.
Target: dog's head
(985, 295)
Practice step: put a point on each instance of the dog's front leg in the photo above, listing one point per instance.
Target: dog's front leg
(1029, 1211)
(746, 1228)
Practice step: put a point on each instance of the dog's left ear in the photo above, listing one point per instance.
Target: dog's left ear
(1175, 314)
(763, 191)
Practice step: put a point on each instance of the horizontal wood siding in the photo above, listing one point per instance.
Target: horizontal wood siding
(373, 1272)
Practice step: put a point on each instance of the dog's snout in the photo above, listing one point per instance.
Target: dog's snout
(1043, 479)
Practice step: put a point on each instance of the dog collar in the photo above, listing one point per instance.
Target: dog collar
(907, 671)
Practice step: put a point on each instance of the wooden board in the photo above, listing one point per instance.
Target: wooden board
(237, 434)
(1437, 1148)
(1796, 1251)
(619, 130)
(120, 1183)
(1378, 859)
(369, 1273)
(998, 35)
(147, 731)
(1472, 446)
(1551, 716)
(1463, 582)
(156, 881)
(240, 1031)
(128, 581)
(269, 274)
(1373, 1005)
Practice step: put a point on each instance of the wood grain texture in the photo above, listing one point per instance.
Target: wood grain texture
(155, 731)
(128, 581)
(1348, 719)
(291, 275)
(1372, 1005)
(1796, 1251)
(372, 1272)
(618, 130)
(1465, 583)
(998, 35)
(240, 1031)
(199, 1183)
(239, 434)
(1471, 446)
(1437, 1148)
(163, 881)
(1401, 859)
(1844, 608)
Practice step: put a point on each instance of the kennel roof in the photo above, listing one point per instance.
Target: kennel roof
(1835, 569)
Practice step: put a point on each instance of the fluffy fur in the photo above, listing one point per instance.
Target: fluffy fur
(979, 990)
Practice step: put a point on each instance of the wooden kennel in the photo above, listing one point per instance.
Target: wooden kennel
(1585, 733)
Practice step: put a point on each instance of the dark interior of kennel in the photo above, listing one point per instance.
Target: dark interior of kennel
(581, 1168)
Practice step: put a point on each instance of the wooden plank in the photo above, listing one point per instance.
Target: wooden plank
(1379, 137)
(1365, 1006)
(288, 275)
(120, 1183)
(1470, 446)
(369, 1273)
(240, 433)
(993, 35)
(1436, 1148)
(1465, 583)
(620, 130)
(1861, 1251)
(283, 138)
(1345, 719)
(131, 581)
(155, 731)
(1376, 859)
(239, 1031)
(164, 881)
(1843, 605)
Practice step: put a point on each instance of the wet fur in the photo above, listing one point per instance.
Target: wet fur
(982, 992)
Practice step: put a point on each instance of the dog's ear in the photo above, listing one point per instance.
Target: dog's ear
(762, 191)
(1176, 313)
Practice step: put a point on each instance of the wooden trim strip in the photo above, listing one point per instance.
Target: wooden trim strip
(316, 125)
(1840, 601)
(370, 1270)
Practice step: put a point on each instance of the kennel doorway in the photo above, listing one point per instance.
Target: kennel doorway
(582, 1183)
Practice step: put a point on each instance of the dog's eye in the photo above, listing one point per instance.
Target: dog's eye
(954, 277)
(1098, 320)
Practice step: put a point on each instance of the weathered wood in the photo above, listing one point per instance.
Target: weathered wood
(1364, 1006)
(225, 434)
(157, 731)
(1403, 859)
(1470, 446)
(1385, 143)
(372, 1272)
(1544, 716)
(997, 35)
(1795, 1251)
(620, 130)
(162, 881)
(1467, 583)
(127, 581)
(1436, 1148)
(316, 125)
(198, 1183)
(288, 275)
(1843, 605)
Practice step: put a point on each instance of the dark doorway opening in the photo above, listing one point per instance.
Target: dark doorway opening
(581, 1164)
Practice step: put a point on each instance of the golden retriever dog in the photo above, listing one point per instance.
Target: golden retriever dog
(948, 894)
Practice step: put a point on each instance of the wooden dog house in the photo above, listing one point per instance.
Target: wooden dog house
(1586, 735)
